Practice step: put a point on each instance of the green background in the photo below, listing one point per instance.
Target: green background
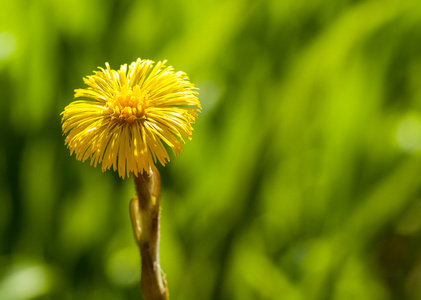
(302, 180)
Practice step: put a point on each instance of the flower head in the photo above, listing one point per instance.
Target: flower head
(124, 117)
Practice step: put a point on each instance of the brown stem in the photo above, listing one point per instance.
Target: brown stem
(144, 213)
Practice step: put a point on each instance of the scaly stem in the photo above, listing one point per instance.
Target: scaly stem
(144, 213)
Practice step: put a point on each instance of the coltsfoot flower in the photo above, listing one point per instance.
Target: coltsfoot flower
(124, 117)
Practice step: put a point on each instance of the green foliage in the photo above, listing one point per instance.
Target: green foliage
(302, 180)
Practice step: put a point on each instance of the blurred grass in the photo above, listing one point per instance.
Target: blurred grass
(302, 178)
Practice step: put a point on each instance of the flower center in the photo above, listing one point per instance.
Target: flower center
(128, 106)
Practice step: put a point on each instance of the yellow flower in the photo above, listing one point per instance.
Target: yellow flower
(124, 118)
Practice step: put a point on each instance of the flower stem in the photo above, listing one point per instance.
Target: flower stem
(144, 213)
